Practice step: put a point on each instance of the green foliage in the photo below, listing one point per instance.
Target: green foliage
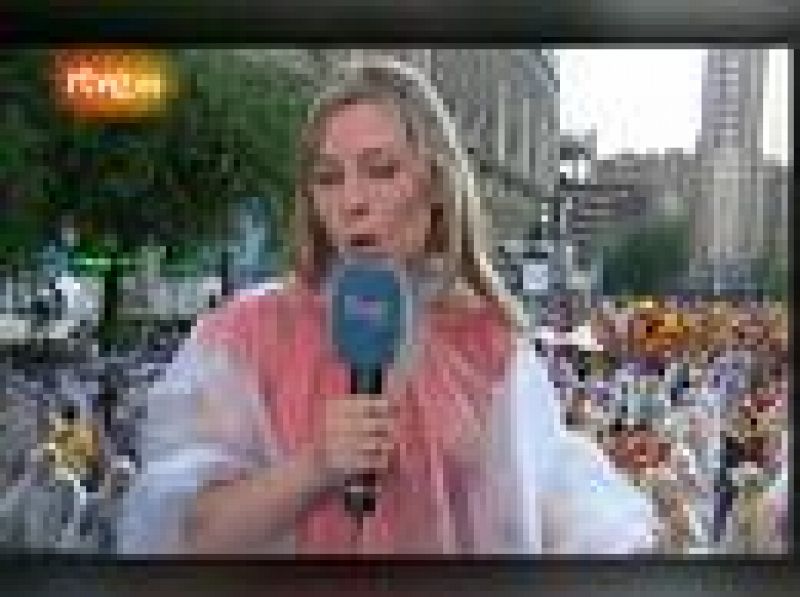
(647, 258)
(241, 136)
(25, 178)
(771, 276)
(166, 179)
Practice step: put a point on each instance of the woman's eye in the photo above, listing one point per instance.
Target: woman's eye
(327, 178)
(384, 170)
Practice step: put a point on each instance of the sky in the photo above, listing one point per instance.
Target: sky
(650, 99)
(777, 119)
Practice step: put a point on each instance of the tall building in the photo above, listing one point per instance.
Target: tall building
(506, 104)
(776, 208)
(730, 218)
(733, 90)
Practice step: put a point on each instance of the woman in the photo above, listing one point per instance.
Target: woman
(251, 435)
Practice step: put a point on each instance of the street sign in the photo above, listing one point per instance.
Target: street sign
(535, 277)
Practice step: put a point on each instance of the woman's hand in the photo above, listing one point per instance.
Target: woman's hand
(356, 436)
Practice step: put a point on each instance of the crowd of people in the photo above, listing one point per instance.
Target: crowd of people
(696, 390)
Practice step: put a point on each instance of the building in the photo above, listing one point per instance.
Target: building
(776, 208)
(735, 201)
(667, 182)
(596, 196)
(506, 105)
(731, 219)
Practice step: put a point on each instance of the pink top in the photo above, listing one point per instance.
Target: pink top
(245, 391)
(464, 350)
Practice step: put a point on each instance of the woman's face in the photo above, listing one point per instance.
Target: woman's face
(370, 186)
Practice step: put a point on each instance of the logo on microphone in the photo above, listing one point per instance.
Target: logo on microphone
(365, 307)
(368, 314)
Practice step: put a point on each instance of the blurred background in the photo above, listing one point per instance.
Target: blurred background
(639, 201)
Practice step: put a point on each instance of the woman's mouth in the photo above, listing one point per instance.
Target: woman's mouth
(363, 241)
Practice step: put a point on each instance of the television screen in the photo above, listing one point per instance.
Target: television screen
(584, 253)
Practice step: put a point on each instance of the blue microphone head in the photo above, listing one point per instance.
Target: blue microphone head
(369, 308)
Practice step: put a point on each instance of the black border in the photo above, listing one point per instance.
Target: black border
(470, 576)
(415, 23)
(382, 21)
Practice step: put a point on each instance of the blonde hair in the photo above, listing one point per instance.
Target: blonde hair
(458, 232)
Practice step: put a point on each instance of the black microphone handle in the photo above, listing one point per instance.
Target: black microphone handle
(368, 380)
(360, 489)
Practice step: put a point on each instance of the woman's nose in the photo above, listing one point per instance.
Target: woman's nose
(356, 201)
(357, 209)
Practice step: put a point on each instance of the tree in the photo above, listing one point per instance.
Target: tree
(26, 180)
(771, 276)
(647, 258)
(167, 179)
(230, 134)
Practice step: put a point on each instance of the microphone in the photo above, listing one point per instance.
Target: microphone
(369, 308)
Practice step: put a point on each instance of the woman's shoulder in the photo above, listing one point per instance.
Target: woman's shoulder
(528, 355)
(528, 382)
(245, 312)
(478, 328)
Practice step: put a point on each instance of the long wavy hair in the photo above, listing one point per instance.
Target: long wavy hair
(457, 247)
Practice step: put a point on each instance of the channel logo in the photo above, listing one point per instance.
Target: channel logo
(113, 83)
